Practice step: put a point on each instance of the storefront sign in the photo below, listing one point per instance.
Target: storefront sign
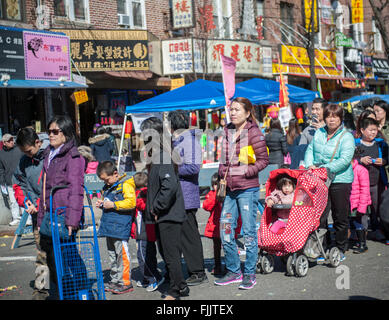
(109, 50)
(12, 53)
(299, 55)
(381, 68)
(341, 40)
(177, 83)
(46, 56)
(353, 61)
(356, 11)
(310, 6)
(248, 56)
(368, 62)
(326, 73)
(81, 96)
(182, 16)
(179, 58)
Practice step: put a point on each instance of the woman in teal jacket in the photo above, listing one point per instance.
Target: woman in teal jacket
(333, 147)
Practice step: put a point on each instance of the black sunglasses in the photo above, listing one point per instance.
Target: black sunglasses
(54, 131)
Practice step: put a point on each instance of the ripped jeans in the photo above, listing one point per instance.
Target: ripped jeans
(245, 204)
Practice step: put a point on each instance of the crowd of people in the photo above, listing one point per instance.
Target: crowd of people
(158, 205)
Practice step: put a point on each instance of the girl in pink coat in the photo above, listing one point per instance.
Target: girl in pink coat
(359, 200)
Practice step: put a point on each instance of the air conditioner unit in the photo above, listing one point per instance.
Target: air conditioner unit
(123, 19)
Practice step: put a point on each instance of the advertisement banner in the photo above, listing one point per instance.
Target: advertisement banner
(46, 56)
(299, 55)
(357, 11)
(310, 6)
(246, 54)
(109, 50)
(228, 73)
(12, 54)
(182, 16)
(326, 73)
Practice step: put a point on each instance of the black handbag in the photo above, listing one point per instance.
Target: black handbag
(45, 228)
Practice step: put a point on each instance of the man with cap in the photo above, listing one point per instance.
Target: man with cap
(9, 160)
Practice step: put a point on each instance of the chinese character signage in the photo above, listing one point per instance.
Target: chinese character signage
(109, 50)
(206, 18)
(356, 11)
(341, 40)
(248, 55)
(81, 96)
(12, 53)
(299, 55)
(46, 56)
(311, 15)
(183, 16)
(381, 68)
(177, 83)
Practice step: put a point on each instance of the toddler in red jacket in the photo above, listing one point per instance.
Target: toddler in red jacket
(212, 229)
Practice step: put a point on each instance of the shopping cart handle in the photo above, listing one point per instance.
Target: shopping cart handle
(282, 206)
(55, 188)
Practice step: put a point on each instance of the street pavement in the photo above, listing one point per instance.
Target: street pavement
(364, 276)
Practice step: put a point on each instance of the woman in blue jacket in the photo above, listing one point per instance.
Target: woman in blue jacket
(333, 147)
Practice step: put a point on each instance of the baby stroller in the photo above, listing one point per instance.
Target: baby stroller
(301, 241)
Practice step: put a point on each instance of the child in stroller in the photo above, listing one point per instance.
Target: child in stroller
(301, 241)
(283, 194)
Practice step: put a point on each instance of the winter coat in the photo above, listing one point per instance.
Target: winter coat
(164, 194)
(189, 148)
(296, 152)
(276, 143)
(383, 154)
(102, 147)
(116, 222)
(9, 160)
(279, 197)
(241, 175)
(360, 189)
(66, 168)
(319, 153)
(28, 175)
(211, 204)
(91, 167)
(138, 230)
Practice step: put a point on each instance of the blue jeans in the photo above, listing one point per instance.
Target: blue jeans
(245, 204)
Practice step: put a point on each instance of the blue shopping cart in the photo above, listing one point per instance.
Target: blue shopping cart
(77, 258)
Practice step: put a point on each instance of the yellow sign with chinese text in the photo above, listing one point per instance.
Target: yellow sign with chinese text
(176, 83)
(81, 96)
(308, 10)
(299, 55)
(356, 11)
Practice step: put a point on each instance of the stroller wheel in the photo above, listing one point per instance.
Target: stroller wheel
(301, 266)
(334, 257)
(267, 264)
(289, 266)
(259, 267)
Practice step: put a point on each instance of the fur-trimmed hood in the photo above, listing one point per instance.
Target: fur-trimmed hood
(99, 139)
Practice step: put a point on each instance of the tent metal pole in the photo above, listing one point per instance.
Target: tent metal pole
(121, 141)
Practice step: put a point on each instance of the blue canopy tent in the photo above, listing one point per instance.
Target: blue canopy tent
(384, 97)
(261, 91)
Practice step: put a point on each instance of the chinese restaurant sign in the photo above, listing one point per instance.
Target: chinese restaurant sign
(12, 53)
(183, 16)
(289, 54)
(46, 56)
(310, 6)
(248, 56)
(109, 50)
(356, 11)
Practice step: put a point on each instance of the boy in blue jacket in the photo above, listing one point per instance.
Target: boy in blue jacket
(115, 224)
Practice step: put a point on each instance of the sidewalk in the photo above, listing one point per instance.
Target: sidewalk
(6, 230)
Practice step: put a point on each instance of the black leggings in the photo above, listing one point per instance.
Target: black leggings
(339, 204)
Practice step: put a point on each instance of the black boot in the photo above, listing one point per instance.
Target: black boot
(361, 245)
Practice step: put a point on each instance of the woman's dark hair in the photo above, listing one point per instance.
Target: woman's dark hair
(285, 180)
(365, 114)
(247, 105)
(26, 137)
(383, 105)
(66, 126)
(179, 119)
(101, 130)
(367, 122)
(293, 130)
(106, 166)
(275, 124)
(335, 110)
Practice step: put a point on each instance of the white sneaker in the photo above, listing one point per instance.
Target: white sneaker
(14, 222)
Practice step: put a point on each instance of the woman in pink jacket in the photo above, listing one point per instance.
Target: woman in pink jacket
(359, 201)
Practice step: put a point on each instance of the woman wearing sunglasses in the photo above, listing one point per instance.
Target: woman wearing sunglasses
(63, 165)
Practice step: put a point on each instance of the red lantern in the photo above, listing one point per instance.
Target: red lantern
(193, 119)
(299, 115)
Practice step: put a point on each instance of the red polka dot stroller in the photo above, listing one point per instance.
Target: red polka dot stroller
(301, 240)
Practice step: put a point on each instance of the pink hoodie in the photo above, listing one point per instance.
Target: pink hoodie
(360, 191)
(91, 167)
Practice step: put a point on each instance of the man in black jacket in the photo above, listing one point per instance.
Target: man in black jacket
(9, 159)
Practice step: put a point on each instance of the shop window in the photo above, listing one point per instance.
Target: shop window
(11, 10)
(287, 18)
(302, 198)
(132, 14)
(75, 10)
